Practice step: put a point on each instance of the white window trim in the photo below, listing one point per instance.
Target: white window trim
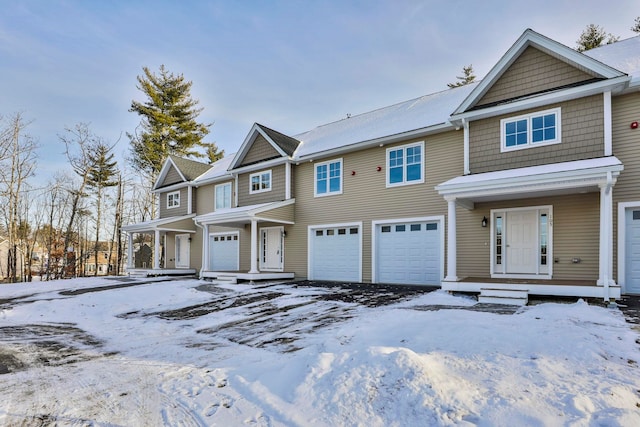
(374, 245)
(498, 275)
(215, 196)
(311, 229)
(528, 117)
(174, 205)
(404, 165)
(315, 178)
(264, 172)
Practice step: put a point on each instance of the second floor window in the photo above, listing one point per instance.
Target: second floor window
(405, 164)
(530, 130)
(223, 196)
(259, 182)
(173, 200)
(328, 178)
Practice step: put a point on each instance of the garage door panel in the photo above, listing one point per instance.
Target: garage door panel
(335, 254)
(223, 252)
(408, 253)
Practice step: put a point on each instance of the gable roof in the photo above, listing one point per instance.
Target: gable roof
(548, 46)
(415, 117)
(186, 168)
(283, 144)
(217, 172)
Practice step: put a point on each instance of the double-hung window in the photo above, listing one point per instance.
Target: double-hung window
(328, 178)
(260, 182)
(405, 164)
(530, 130)
(173, 200)
(223, 196)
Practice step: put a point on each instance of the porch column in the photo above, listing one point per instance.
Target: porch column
(605, 277)
(130, 260)
(452, 262)
(156, 250)
(254, 247)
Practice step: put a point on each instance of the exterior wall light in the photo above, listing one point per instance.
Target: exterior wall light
(484, 221)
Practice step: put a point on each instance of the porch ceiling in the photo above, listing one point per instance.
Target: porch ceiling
(581, 176)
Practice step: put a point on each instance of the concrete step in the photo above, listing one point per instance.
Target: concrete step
(504, 296)
(227, 279)
(503, 300)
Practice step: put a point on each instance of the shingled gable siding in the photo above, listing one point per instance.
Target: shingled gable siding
(172, 177)
(576, 225)
(261, 149)
(181, 210)
(365, 196)
(276, 194)
(626, 147)
(582, 122)
(532, 72)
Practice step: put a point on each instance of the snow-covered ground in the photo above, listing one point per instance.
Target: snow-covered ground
(166, 353)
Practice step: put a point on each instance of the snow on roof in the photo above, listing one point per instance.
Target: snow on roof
(217, 170)
(426, 111)
(622, 55)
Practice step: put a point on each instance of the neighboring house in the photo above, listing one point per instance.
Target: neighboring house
(526, 180)
(107, 258)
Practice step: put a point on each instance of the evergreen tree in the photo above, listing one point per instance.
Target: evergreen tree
(168, 121)
(636, 25)
(103, 174)
(213, 153)
(466, 78)
(594, 36)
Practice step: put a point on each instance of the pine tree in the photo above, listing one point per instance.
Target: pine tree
(636, 25)
(466, 78)
(213, 153)
(594, 36)
(102, 175)
(168, 121)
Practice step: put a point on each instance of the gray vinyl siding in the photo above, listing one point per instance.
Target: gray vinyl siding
(276, 194)
(626, 147)
(582, 123)
(172, 177)
(177, 211)
(206, 197)
(534, 71)
(576, 228)
(365, 197)
(260, 150)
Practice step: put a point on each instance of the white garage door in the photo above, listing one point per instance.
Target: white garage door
(409, 253)
(335, 254)
(632, 252)
(223, 252)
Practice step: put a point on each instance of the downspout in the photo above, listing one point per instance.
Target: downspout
(605, 276)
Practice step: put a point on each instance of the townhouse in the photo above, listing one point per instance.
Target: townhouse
(526, 181)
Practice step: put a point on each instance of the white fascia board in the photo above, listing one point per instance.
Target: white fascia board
(248, 140)
(261, 165)
(155, 224)
(535, 101)
(245, 213)
(531, 38)
(389, 139)
(227, 176)
(172, 187)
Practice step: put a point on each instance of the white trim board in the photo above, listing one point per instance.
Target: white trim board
(622, 225)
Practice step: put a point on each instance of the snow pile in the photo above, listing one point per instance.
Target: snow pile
(395, 365)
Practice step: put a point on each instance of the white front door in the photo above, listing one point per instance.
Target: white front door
(522, 242)
(632, 251)
(182, 251)
(272, 249)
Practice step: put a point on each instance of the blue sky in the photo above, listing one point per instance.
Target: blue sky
(290, 65)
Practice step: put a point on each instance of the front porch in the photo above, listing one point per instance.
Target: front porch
(235, 276)
(570, 288)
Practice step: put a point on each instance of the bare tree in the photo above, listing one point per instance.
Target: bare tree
(17, 164)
